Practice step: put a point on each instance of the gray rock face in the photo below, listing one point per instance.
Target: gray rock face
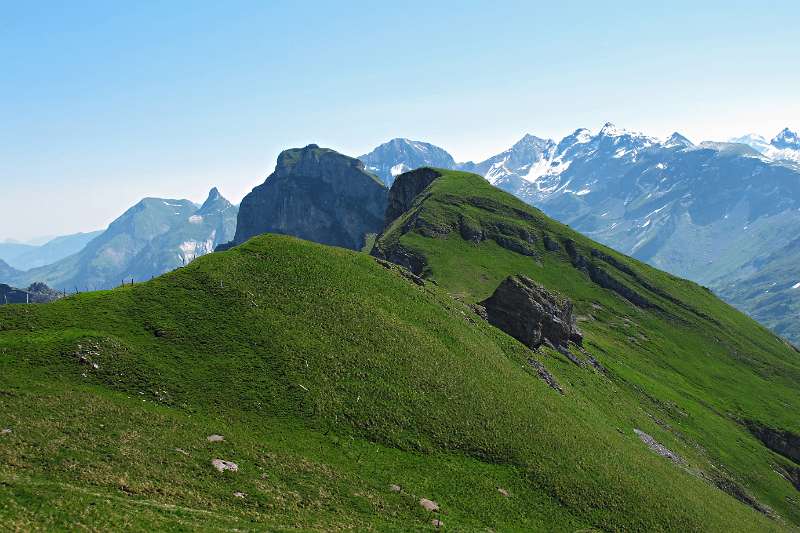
(657, 447)
(532, 314)
(405, 188)
(779, 441)
(315, 194)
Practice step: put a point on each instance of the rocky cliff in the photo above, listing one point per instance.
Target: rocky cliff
(315, 194)
(405, 188)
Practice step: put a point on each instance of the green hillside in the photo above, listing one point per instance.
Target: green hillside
(333, 376)
(702, 370)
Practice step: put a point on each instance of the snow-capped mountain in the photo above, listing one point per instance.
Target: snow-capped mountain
(701, 211)
(401, 155)
(524, 162)
(783, 147)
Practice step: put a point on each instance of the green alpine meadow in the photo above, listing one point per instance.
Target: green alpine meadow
(477, 367)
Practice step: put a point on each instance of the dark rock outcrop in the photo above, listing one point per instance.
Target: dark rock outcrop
(550, 244)
(792, 474)
(779, 441)
(405, 189)
(315, 194)
(532, 314)
(470, 230)
(730, 487)
(601, 277)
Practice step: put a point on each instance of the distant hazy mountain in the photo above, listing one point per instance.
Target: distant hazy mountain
(154, 236)
(11, 250)
(768, 289)
(703, 211)
(316, 194)
(401, 155)
(783, 147)
(7, 271)
(26, 256)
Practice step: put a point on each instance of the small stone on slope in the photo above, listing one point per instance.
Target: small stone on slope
(429, 505)
(221, 465)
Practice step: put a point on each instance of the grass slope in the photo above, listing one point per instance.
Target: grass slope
(693, 364)
(331, 377)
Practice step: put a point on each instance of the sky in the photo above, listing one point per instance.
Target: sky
(104, 103)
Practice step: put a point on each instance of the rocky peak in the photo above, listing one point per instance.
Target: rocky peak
(312, 161)
(213, 195)
(399, 155)
(611, 130)
(677, 140)
(315, 194)
(405, 188)
(531, 141)
(532, 314)
(214, 202)
(786, 139)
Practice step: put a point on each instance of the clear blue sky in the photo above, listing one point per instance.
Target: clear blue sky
(104, 103)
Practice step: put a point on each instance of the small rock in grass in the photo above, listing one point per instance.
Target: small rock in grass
(222, 466)
(240, 494)
(395, 488)
(6, 431)
(437, 523)
(429, 505)
(215, 438)
(503, 491)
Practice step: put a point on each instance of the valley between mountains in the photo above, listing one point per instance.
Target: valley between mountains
(435, 355)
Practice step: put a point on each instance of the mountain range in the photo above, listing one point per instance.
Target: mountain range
(483, 368)
(701, 211)
(712, 212)
(154, 236)
(783, 147)
(27, 256)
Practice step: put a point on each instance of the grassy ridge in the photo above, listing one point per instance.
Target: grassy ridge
(331, 376)
(694, 363)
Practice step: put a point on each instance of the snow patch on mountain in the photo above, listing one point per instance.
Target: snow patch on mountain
(785, 146)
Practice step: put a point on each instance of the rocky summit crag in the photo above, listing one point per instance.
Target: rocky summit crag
(316, 194)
